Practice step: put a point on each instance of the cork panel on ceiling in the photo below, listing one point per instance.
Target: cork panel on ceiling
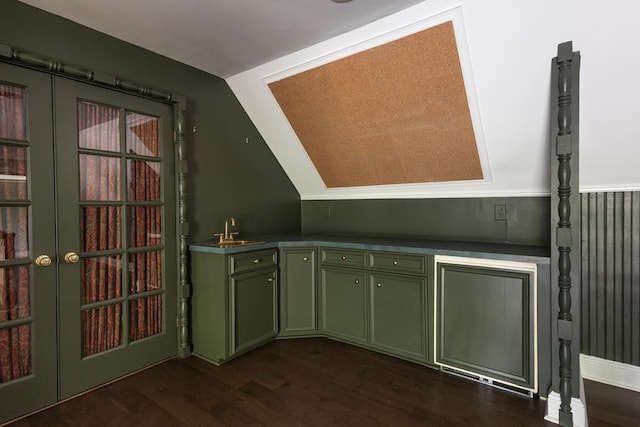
(393, 114)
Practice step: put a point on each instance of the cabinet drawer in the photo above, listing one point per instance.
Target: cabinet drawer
(248, 261)
(344, 257)
(402, 263)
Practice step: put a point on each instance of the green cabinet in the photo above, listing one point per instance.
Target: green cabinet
(376, 299)
(254, 317)
(298, 292)
(343, 304)
(485, 319)
(234, 302)
(398, 314)
(474, 316)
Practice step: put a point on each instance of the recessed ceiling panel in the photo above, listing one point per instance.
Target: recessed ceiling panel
(393, 114)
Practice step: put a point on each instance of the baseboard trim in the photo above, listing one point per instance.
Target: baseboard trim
(610, 372)
(577, 409)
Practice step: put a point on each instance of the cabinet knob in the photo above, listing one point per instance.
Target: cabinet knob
(256, 261)
(270, 279)
(305, 258)
(357, 281)
(344, 257)
(395, 262)
(379, 285)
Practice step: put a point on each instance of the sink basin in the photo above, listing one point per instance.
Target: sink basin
(235, 243)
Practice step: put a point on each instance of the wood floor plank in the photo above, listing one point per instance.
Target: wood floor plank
(303, 382)
(609, 406)
(183, 390)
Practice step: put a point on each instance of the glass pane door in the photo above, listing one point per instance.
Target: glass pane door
(15, 304)
(117, 234)
(27, 290)
(100, 227)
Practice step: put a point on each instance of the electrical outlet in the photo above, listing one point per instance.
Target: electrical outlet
(500, 212)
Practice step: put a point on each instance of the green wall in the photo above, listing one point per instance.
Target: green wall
(227, 177)
(469, 219)
(610, 275)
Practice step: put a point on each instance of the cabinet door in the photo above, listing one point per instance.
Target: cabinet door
(254, 316)
(298, 292)
(398, 314)
(343, 301)
(486, 322)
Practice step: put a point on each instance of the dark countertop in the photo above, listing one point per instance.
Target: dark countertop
(499, 251)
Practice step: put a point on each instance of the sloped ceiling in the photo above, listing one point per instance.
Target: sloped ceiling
(222, 37)
(505, 50)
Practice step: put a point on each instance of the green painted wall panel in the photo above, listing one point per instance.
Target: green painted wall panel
(468, 219)
(610, 277)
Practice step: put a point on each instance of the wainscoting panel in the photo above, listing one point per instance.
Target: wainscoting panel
(611, 276)
(526, 222)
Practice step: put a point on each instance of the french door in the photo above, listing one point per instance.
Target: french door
(94, 223)
(116, 234)
(28, 294)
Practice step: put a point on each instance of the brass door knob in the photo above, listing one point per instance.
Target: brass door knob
(43, 261)
(71, 258)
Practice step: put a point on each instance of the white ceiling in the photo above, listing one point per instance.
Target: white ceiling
(505, 49)
(222, 37)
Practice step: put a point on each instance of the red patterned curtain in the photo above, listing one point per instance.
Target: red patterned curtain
(145, 226)
(100, 227)
(15, 342)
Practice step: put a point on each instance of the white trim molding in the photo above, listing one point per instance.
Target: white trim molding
(610, 372)
(252, 90)
(600, 370)
(609, 188)
(577, 409)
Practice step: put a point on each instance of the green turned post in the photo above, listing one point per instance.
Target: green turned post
(184, 287)
(564, 240)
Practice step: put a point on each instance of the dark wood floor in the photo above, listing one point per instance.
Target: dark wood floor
(609, 406)
(301, 382)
